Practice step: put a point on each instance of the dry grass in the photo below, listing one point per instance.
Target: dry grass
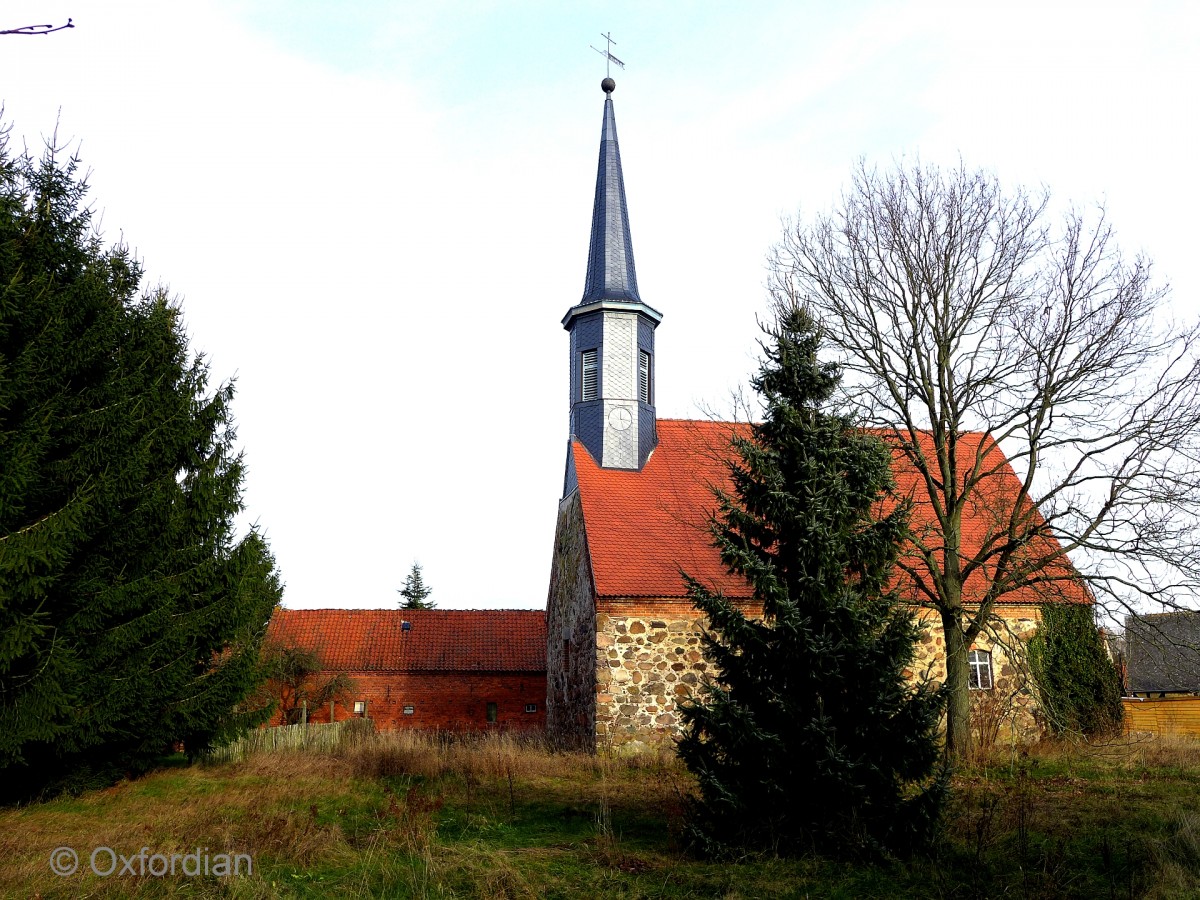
(219, 811)
(484, 755)
(1124, 752)
(367, 802)
(502, 816)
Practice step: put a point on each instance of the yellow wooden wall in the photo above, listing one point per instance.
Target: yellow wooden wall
(1163, 715)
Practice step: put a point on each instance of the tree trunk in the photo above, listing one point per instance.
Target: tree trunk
(958, 705)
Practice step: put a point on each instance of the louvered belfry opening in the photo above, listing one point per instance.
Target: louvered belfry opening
(589, 386)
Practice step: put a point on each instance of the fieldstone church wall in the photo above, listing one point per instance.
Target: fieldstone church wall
(1008, 712)
(648, 657)
(617, 668)
(571, 634)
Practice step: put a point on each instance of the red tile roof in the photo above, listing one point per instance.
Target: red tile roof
(644, 527)
(444, 640)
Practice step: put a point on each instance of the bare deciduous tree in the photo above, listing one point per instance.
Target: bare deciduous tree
(296, 679)
(966, 319)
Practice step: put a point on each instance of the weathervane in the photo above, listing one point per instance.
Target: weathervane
(37, 29)
(607, 54)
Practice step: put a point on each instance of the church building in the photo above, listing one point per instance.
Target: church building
(623, 639)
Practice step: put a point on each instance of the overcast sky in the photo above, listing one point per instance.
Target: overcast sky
(376, 214)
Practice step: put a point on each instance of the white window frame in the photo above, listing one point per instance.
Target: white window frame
(589, 374)
(979, 673)
(408, 709)
(530, 707)
(360, 707)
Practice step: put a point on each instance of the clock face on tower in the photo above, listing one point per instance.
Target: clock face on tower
(620, 419)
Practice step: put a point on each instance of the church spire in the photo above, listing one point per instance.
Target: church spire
(612, 330)
(610, 270)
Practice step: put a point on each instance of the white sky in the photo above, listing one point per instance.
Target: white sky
(376, 214)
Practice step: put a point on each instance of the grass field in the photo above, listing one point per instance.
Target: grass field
(416, 816)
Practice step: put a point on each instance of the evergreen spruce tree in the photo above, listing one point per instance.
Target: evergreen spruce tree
(414, 592)
(130, 616)
(1077, 683)
(809, 737)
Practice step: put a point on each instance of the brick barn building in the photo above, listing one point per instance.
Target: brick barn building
(624, 640)
(458, 669)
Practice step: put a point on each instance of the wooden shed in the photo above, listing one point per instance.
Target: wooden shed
(1162, 672)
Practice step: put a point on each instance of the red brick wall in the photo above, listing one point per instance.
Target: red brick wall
(456, 701)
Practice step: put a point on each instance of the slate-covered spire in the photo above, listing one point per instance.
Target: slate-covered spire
(610, 271)
(612, 331)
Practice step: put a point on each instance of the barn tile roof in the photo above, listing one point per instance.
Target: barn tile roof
(438, 640)
(644, 527)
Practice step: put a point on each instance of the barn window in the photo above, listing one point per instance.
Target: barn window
(492, 712)
(980, 670)
(643, 376)
(360, 707)
(530, 707)
(408, 709)
(589, 382)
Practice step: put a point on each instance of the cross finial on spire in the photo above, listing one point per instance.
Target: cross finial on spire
(608, 57)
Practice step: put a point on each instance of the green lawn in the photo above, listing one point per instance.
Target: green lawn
(406, 817)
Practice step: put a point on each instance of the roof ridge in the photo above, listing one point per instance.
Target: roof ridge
(348, 609)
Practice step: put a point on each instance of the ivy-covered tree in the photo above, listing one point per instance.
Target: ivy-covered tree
(415, 592)
(1077, 683)
(810, 736)
(131, 616)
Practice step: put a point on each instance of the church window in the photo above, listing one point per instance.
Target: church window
(979, 676)
(643, 376)
(589, 380)
(492, 712)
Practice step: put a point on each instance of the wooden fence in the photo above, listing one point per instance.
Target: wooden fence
(1163, 715)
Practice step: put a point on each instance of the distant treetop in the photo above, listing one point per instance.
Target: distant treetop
(414, 592)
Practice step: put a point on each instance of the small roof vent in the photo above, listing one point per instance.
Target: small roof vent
(405, 625)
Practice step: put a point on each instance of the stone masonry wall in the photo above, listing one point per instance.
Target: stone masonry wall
(648, 656)
(1008, 711)
(570, 634)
